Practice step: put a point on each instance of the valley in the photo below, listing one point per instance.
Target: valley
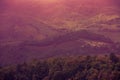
(30, 30)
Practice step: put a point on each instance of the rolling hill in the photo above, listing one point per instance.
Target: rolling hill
(17, 27)
(74, 43)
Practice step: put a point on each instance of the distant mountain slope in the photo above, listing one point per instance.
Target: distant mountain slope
(23, 27)
(75, 43)
(71, 37)
(33, 30)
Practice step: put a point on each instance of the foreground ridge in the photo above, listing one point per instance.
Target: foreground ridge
(102, 67)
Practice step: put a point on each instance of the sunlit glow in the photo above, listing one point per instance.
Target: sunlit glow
(40, 1)
(47, 1)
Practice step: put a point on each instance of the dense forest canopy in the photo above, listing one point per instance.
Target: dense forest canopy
(103, 67)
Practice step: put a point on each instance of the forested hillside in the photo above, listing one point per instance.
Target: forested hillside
(102, 67)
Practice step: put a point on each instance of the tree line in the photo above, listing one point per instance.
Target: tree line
(102, 67)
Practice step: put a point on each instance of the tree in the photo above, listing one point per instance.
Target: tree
(114, 58)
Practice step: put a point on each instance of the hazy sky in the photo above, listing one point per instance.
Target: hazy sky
(3, 2)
